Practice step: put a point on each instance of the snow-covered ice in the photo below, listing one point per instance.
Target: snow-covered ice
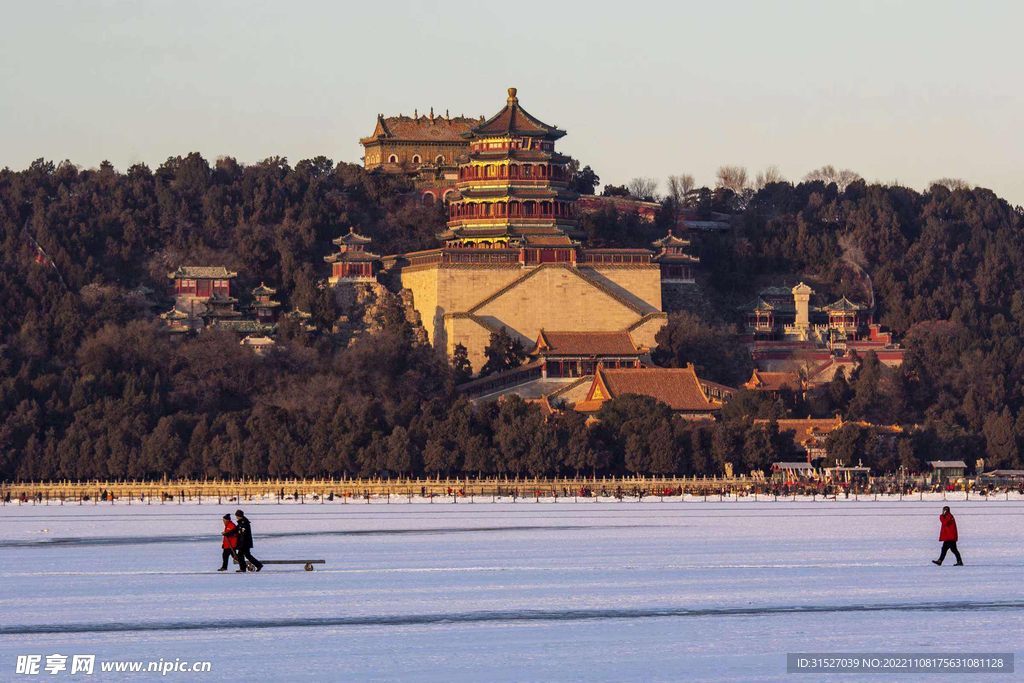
(586, 591)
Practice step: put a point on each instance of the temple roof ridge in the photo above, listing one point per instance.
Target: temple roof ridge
(352, 237)
(514, 120)
(671, 240)
(202, 272)
(420, 128)
(843, 304)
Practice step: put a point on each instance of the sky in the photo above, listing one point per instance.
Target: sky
(901, 92)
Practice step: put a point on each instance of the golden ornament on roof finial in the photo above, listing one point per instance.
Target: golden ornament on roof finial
(511, 95)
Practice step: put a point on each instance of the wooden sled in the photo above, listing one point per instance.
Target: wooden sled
(308, 564)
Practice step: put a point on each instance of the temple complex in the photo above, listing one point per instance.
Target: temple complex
(786, 333)
(512, 254)
(778, 312)
(203, 299)
(200, 293)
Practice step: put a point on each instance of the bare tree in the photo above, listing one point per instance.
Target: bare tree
(952, 184)
(731, 178)
(643, 188)
(829, 174)
(679, 187)
(771, 174)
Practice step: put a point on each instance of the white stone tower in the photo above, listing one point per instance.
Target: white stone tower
(802, 300)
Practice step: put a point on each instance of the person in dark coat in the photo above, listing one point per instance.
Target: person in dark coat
(243, 531)
(949, 537)
(228, 544)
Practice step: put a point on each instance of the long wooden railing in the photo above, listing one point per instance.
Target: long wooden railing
(316, 490)
(221, 489)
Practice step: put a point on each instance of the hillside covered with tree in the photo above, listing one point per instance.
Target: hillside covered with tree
(89, 387)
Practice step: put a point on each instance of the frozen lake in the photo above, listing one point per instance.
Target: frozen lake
(587, 591)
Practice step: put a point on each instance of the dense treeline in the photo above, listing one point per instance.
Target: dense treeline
(946, 273)
(90, 388)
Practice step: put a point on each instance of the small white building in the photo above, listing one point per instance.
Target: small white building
(258, 344)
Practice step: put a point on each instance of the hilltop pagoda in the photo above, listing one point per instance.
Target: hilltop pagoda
(676, 265)
(514, 190)
(352, 263)
(264, 304)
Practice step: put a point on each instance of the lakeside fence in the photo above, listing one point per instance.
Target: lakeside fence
(309, 490)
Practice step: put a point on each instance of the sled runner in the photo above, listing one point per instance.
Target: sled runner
(308, 563)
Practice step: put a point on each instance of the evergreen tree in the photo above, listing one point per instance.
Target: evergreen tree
(664, 453)
(399, 451)
(726, 444)
(460, 364)
(542, 459)
(1001, 447)
(760, 446)
(503, 352)
(637, 454)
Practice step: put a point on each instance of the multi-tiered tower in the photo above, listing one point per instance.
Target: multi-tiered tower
(514, 190)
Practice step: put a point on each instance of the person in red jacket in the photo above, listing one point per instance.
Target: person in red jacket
(229, 543)
(948, 536)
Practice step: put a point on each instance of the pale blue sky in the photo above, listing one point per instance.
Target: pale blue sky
(898, 91)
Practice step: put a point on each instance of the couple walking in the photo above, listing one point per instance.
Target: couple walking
(237, 543)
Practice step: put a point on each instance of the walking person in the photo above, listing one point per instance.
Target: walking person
(228, 543)
(948, 536)
(243, 531)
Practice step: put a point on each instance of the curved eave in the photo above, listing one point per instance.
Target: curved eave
(470, 194)
(364, 257)
(675, 258)
(671, 241)
(412, 141)
(550, 134)
(517, 225)
(517, 155)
